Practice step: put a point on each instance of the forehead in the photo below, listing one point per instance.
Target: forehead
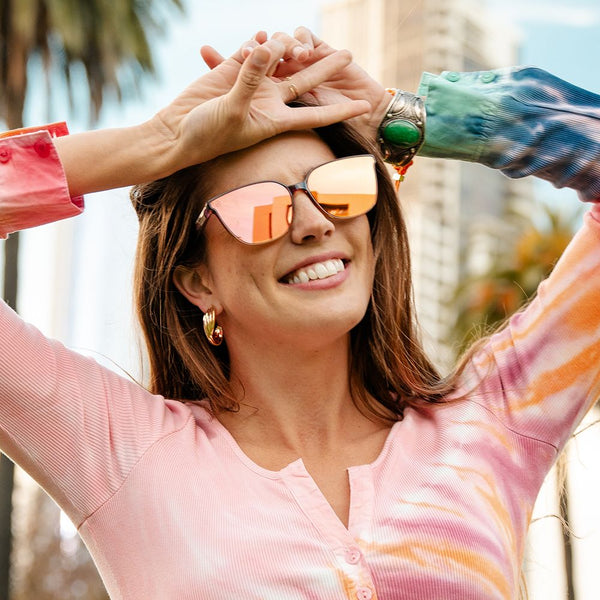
(285, 158)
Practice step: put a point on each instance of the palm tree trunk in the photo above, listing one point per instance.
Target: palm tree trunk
(563, 491)
(15, 98)
(11, 253)
(6, 489)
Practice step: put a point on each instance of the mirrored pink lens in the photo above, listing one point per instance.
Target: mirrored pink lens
(346, 187)
(255, 213)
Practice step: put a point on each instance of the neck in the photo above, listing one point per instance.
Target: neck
(298, 398)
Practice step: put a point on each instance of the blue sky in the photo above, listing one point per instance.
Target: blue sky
(562, 37)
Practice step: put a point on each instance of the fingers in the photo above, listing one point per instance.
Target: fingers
(211, 57)
(316, 48)
(319, 116)
(252, 73)
(247, 48)
(259, 38)
(306, 37)
(309, 78)
(295, 49)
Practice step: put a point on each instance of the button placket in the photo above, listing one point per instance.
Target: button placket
(344, 542)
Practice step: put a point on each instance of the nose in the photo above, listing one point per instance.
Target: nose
(308, 222)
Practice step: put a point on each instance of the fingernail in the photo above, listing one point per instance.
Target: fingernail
(299, 53)
(259, 59)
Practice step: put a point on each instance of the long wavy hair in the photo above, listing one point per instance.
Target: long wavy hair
(389, 369)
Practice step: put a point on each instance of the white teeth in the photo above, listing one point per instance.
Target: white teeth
(320, 270)
(331, 267)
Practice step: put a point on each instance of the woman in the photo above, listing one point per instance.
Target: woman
(316, 453)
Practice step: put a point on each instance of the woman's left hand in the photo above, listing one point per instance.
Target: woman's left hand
(237, 104)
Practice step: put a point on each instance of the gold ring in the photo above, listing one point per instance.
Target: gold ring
(293, 89)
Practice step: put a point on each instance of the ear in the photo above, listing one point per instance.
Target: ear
(195, 285)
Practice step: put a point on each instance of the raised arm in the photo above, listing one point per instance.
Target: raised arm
(231, 107)
(521, 120)
(540, 373)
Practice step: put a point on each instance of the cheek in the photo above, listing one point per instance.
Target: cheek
(361, 237)
(222, 258)
(237, 269)
(369, 255)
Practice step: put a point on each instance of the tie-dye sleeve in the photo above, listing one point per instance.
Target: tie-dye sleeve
(521, 120)
(540, 373)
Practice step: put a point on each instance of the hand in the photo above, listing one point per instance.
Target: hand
(349, 83)
(237, 104)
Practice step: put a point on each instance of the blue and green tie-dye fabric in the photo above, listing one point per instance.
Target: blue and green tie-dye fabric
(521, 120)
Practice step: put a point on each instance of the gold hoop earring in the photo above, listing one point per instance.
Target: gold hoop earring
(212, 331)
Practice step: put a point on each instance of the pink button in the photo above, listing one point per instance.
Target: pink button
(42, 148)
(352, 556)
(364, 593)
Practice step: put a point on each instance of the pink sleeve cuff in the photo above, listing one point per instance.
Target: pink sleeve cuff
(33, 186)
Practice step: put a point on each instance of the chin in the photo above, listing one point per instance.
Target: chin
(323, 329)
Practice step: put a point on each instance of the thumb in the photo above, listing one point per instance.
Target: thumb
(251, 75)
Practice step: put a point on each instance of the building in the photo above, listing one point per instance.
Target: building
(446, 202)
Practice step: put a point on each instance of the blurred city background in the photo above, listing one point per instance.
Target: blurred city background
(480, 241)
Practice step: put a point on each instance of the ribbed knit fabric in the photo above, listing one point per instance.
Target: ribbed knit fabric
(521, 120)
(171, 508)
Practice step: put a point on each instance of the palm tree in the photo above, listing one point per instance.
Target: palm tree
(485, 301)
(516, 269)
(110, 41)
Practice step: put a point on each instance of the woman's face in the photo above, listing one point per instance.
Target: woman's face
(252, 287)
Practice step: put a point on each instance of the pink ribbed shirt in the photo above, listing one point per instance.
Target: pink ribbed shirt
(171, 508)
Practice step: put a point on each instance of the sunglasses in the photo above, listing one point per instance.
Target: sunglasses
(262, 212)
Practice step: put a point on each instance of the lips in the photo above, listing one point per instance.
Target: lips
(316, 270)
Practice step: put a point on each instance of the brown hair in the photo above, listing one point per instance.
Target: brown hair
(387, 360)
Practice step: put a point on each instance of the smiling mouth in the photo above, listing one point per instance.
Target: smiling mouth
(319, 270)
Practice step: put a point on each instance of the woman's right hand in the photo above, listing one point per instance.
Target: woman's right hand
(347, 84)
